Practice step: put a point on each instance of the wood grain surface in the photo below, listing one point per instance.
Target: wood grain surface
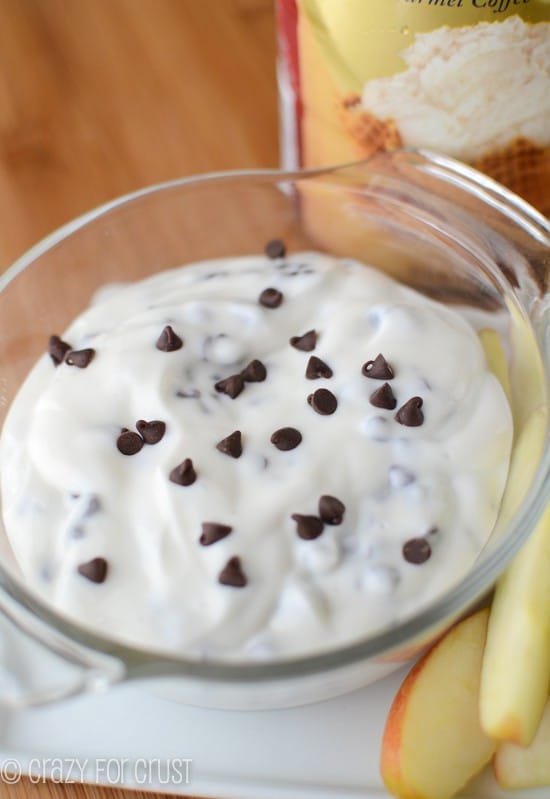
(50, 790)
(100, 97)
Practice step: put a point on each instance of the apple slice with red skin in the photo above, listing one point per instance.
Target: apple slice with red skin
(433, 742)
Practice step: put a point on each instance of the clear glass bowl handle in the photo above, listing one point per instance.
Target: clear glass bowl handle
(39, 666)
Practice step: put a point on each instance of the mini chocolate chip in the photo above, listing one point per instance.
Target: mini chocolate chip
(94, 506)
(254, 372)
(410, 414)
(212, 532)
(168, 341)
(184, 474)
(151, 432)
(323, 401)
(129, 443)
(79, 358)
(317, 368)
(416, 550)
(308, 527)
(400, 477)
(232, 386)
(331, 510)
(305, 342)
(232, 574)
(383, 397)
(286, 438)
(232, 445)
(270, 298)
(94, 570)
(275, 248)
(379, 369)
(57, 349)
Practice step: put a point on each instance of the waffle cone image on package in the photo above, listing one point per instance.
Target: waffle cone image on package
(369, 134)
(522, 167)
(477, 92)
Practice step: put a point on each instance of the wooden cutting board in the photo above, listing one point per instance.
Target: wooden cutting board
(100, 97)
(49, 790)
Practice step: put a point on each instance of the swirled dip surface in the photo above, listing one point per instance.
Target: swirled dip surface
(254, 522)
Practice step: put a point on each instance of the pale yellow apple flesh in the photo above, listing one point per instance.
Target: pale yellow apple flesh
(526, 767)
(496, 358)
(528, 408)
(516, 668)
(433, 742)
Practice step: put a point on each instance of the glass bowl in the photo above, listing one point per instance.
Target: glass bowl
(433, 223)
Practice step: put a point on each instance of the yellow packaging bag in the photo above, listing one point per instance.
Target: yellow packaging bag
(468, 78)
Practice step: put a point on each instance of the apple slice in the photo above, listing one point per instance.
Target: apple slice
(496, 358)
(515, 678)
(526, 767)
(433, 742)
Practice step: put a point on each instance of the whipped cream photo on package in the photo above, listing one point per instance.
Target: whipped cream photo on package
(467, 78)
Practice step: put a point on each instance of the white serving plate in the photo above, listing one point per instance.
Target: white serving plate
(329, 750)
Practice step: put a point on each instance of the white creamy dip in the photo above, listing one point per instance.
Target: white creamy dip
(188, 547)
